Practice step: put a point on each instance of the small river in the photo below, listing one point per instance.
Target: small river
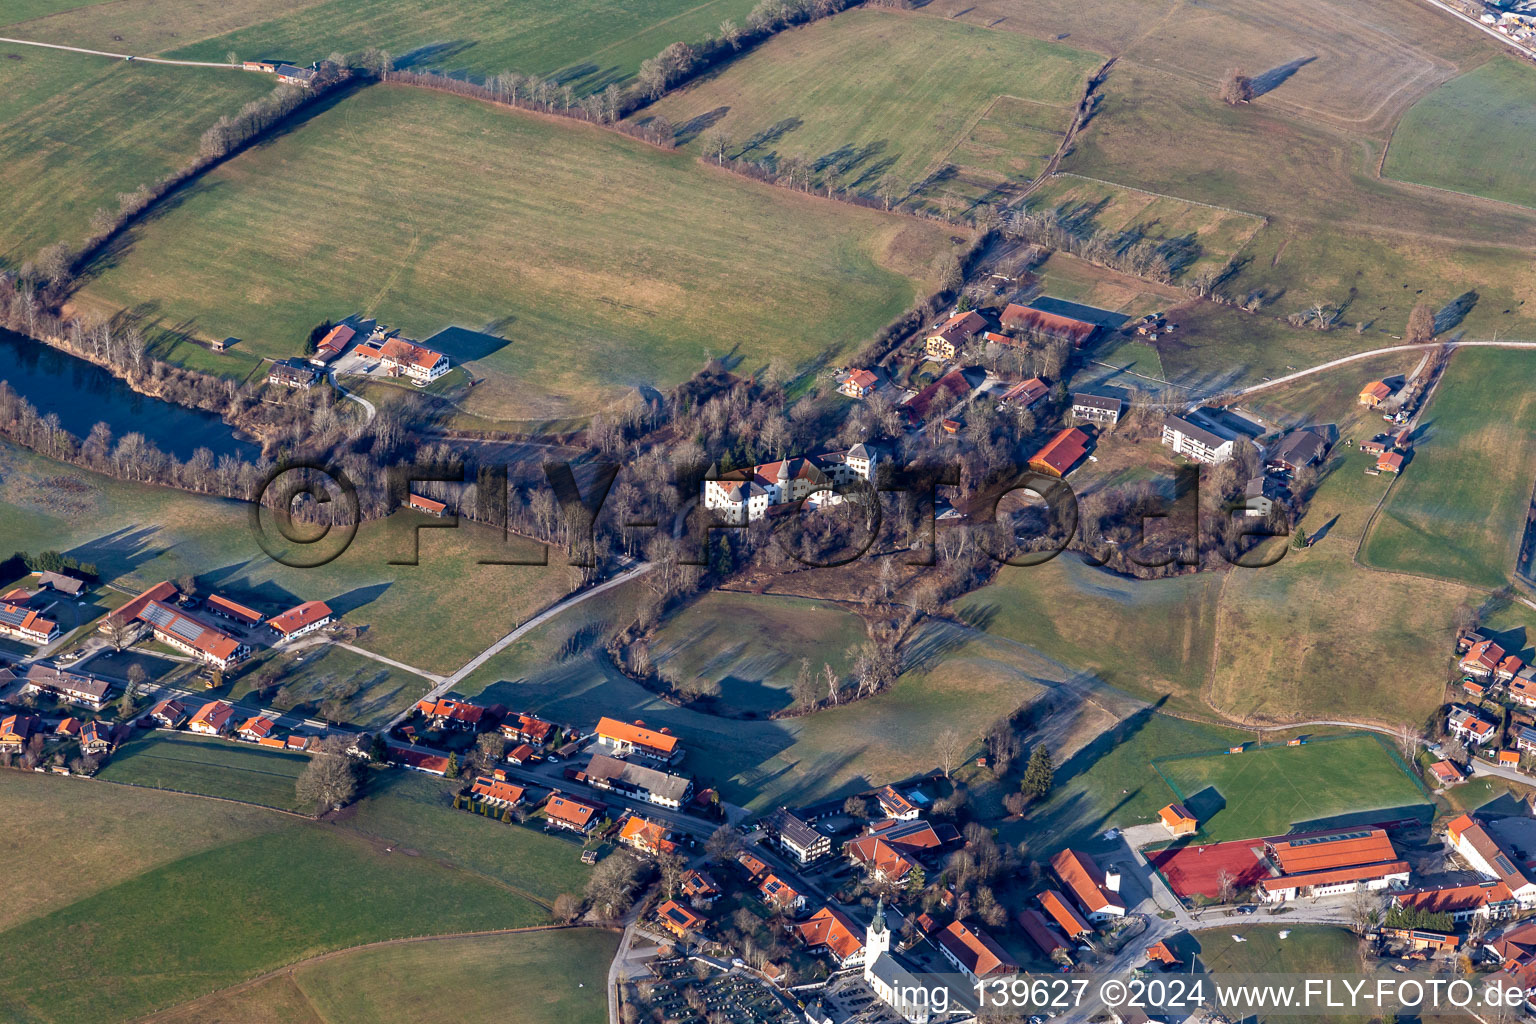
(83, 394)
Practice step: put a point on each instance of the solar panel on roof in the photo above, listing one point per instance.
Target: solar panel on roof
(1334, 837)
(12, 617)
(186, 628)
(1502, 863)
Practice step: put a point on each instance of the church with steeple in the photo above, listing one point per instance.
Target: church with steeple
(898, 983)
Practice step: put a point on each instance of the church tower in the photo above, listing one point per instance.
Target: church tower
(877, 938)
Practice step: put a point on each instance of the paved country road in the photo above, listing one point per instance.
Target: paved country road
(125, 56)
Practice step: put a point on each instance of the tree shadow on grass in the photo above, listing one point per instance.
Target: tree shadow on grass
(1272, 79)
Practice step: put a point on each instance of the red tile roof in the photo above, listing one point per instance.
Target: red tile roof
(1040, 932)
(1325, 852)
(422, 761)
(1064, 914)
(572, 809)
(492, 789)
(1061, 452)
(677, 917)
(162, 591)
(1451, 899)
(216, 714)
(249, 616)
(878, 857)
(637, 735)
(453, 710)
(833, 929)
(1022, 318)
(1084, 879)
(976, 950)
(644, 834)
(256, 726)
(299, 616)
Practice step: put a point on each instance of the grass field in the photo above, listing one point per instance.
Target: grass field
(1270, 790)
(745, 650)
(211, 767)
(602, 262)
(129, 831)
(1473, 134)
(308, 679)
(1460, 508)
(140, 535)
(79, 130)
(875, 98)
(1308, 950)
(416, 812)
(587, 44)
(551, 977)
(230, 913)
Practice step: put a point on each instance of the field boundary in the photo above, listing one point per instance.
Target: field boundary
(200, 796)
(1161, 195)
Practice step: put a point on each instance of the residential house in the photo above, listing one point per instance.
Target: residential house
(1160, 952)
(573, 813)
(1196, 441)
(974, 952)
(1061, 453)
(746, 495)
(1390, 462)
(292, 374)
(447, 713)
(752, 865)
(1469, 725)
(233, 610)
(1508, 669)
(780, 895)
(895, 806)
(521, 754)
(1447, 773)
(1297, 450)
(212, 719)
(638, 782)
(647, 836)
(525, 728)
(25, 624)
(1073, 924)
(488, 789)
(946, 340)
(96, 738)
(1481, 659)
(402, 358)
(1374, 393)
(255, 729)
(1025, 394)
(831, 931)
(1525, 740)
(1178, 820)
(300, 620)
(1097, 408)
(1259, 496)
(678, 919)
(915, 836)
(1489, 857)
(1522, 688)
(427, 505)
(15, 730)
(859, 384)
(75, 688)
(298, 743)
(1096, 891)
(419, 760)
(633, 739)
(1332, 863)
(699, 886)
(333, 344)
(1037, 323)
(168, 714)
(1491, 900)
(881, 861)
(799, 839)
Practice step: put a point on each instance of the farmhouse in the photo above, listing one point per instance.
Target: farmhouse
(859, 384)
(1195, 441)
(975, 952)
(1064, 914)
(15, 730)
(1037, 323)
(168, 714)
(448, 713)
(1330, 863)
(1061, 453)
(647, 836)
(1390, 462)
(130, 612)
(1178, 820)
(799, 838)
(947, 338)
(1487, 855)
(300, 620)
(678, 919)
(1296, 450)
(70, 687)
(573, 813)
(747, 495)
(1469, 725)
(402, 358)
(1096, 408)
(212, 719)
(172, 626)
(269, 65)
(224, 607)
(333, 344)
(292, 374)
(1097, 892)
(1374, 393)
(625, 739)
(25, 624)
(1025, 393)
(1046, 939)
(913, 835)
(61, 583)
(834, 932)
(638, 782)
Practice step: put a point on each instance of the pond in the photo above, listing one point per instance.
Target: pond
(83, 394)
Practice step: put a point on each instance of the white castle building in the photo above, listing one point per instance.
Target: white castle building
(747, 495)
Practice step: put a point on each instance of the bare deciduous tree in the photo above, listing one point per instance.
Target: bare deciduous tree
(328, 782)
(1236, 87)
(949, 746)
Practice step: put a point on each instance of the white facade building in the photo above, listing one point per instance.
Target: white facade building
(746, 495)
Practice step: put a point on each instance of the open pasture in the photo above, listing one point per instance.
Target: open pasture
(877, 100)
(1272, 790)
(1460, 507)
(1476, 133)
(79, 130)
(209, 766)
(599, 262)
